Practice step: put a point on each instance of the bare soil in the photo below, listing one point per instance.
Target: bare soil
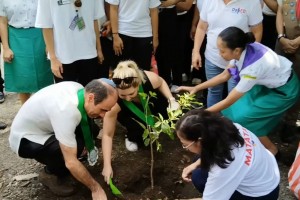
(131, 169)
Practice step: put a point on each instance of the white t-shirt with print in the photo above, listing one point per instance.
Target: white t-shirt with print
(271, 70)
(52, 109)
(71, 45)
(134, 16)
(254, 171)
(240, 13)
(19, 13)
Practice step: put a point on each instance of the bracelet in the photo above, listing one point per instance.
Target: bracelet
(280, 36)
(115, 33)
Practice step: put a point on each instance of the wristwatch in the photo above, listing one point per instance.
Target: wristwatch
(280, 36)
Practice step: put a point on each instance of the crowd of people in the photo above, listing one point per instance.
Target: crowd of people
(244, 52)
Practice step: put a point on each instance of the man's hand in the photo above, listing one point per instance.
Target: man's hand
(107, 173)
(118, 44)
(191, 90)
(8, 55)
(57, 68)
(99, 194)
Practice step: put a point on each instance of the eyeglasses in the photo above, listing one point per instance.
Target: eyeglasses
(78, 3)
(127, 80)
(187, 146)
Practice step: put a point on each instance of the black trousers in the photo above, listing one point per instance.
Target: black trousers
(81, 71)
(1, 82)
(50, 153)
(167, 51)
(137, 49)
(269, 36)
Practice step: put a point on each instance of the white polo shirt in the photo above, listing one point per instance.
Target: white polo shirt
(134, 16)
(52, 109)
(71, 45)
(239, 13)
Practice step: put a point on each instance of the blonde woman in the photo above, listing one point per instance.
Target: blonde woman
(130, 81)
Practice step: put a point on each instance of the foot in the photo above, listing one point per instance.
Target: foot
(59, 186)
(131, 146)
(2, 125)
(2, 98)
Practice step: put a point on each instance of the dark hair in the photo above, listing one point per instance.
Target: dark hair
(236, 38)
(218, 136)
(100, 90)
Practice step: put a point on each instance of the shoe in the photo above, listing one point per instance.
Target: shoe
(2, 125)
(196, 81)
(131, 146)
(59, 186)
(174, 89)
(99, 136)
(184, 78)
(2, 98)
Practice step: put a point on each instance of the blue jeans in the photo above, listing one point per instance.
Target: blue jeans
(215, 94)
(199, 178)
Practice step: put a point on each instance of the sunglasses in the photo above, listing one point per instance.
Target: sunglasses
(127, 80)
(78, 3)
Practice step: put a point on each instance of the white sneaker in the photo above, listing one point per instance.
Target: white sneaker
(184, 77)
(131, 146)
(196, 81)
(99, 136)
(174, 89)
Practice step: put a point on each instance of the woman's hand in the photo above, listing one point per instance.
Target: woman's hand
(196, 60)
(187, 172)
(8, 55)
(191, 90)
(107, 173)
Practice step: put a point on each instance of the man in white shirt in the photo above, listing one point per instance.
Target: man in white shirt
(55, 128)
(71, 34)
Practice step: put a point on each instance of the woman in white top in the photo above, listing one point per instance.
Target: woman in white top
(233, 164)
(215, 16)
(266, 85)
(26, 68)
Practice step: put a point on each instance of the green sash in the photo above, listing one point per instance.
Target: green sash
(87, 134)
(148, 119)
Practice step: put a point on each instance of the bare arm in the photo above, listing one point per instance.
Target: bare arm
(195, 21)
(98, 43)
(8, 54)
(109, 126)
(221, 78)
(232, 97)
(272, 4)
(184, 6)
(199, 37)
(117, 41)
(257, 31)
(56, 65)
(279, 21)
(78, 170)
(154, 24)
(160, 84)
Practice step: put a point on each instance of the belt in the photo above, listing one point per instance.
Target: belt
(21, 27)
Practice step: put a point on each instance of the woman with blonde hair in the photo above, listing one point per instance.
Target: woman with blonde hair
(130, 82)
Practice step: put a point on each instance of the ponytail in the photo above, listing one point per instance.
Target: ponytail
(236, 38)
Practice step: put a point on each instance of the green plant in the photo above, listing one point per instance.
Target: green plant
(152, 131)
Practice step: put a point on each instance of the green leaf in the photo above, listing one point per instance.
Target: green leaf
(147, 141)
